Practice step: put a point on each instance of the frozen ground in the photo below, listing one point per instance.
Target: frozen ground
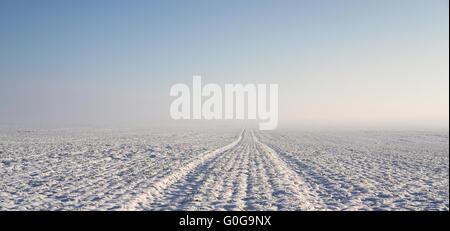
(92, 169)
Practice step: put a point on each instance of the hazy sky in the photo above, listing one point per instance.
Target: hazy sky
(363, 63)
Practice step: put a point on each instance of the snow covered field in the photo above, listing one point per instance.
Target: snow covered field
(100, 169)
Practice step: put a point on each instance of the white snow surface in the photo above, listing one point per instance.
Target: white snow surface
(222, 169)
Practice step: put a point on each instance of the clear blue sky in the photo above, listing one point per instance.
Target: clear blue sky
(337, 62)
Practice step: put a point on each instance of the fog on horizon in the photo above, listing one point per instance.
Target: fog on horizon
(337, 63)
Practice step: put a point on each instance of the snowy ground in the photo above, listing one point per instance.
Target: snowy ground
(93, 169)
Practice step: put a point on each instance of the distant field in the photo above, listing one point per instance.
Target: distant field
(93, 169)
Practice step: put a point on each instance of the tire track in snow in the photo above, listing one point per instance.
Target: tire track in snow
(186, 193)
(247, 176)
(220, 183)
(292, 192)
(157, 189)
